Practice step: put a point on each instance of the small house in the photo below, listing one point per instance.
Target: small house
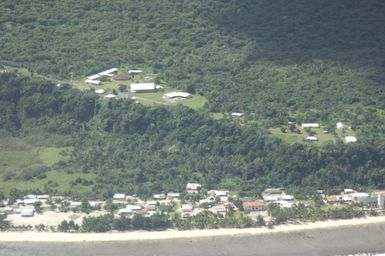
(110, 96)
(333, 199)
(125, 212)
(27, 213)
(311, 138)
(120, 197)
(340, 126)
(30, 201)
(151, 206)
(94, 82)
(193, 188)
(237, 114)
(75, 204)
(187, 208)
(134, 207)
(159, 196)
(134, 71)
(173, 196)
(310, 125)
(99, 91)
(253, 206)
(349, 139)
(219, 209)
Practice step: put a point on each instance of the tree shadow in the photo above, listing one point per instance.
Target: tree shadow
(296, 31)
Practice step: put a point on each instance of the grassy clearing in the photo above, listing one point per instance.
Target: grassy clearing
(323, 138)
(16, 154)
(60, 181)
(156, 98)
(146, 98)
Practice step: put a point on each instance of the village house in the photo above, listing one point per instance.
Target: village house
(110, 96)
(130, 209)
(121, 77)
(333, 199)
(221, 209)
(237, 114)
(349, 139)
(272, 194)
(143, 87)
(311, 138)
(159, 196)
(177, 95)
(187, 211)
(119, 197)
(254, 206)
(173, 196)
(223, 195)
(74, 205)
(134, 71)
(381, 198)
(29, 212)
(99, 91)
(93, 82)
(310, 125)
(285, 204)
(151, 206)
(193, 188)
(340, 126)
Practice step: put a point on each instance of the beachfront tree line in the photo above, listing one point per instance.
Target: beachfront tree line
(134, 149)
(209, 220)
(302, 212)
(161, 221)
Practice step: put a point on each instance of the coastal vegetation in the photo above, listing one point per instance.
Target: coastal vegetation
(98, 148)
(272, 61)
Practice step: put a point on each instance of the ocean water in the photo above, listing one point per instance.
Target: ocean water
(365, 254)
(365, 240)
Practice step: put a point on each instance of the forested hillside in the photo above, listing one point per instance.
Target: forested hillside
(277, 61)
(311, 60)
(119, 145)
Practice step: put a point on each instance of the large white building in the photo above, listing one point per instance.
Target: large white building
(143, 87)
(176, 95)
(109, 72)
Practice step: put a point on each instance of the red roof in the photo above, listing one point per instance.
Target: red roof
(332, 198)
(255, 203)
(122, 84)
(121, 77)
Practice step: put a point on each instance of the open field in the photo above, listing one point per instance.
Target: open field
(146, 98)
(27, 166)
(323, 138)
(15, 153)
(60, 181)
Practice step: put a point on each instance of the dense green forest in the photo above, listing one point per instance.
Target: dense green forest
(136, 149)
(310, 60)
(277, 61)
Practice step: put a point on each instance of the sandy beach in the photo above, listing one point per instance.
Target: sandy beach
(341, 238)
(33, 236)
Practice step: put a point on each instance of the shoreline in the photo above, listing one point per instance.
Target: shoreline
(34, 236)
